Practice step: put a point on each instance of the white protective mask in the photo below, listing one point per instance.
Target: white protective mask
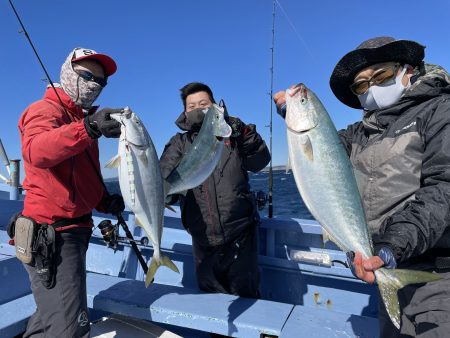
(382, 96)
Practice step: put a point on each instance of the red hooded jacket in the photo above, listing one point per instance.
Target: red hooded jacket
(60, 179)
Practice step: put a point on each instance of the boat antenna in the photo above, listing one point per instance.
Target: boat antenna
(271, 111)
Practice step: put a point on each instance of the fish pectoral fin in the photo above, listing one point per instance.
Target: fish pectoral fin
(113, 163)
(143, 158)
(306, 147)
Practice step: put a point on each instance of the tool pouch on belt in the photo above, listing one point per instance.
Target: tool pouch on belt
(25, 229)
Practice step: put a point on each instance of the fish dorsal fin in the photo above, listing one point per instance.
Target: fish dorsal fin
(113, 163)
(306, 147)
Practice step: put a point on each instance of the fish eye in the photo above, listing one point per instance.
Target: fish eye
(303, 100)
(136, 120)
(217, 116)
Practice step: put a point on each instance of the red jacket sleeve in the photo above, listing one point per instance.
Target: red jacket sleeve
(47, 140)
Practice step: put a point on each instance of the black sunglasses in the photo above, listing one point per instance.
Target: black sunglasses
(88, 76)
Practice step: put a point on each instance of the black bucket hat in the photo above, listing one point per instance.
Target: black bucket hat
(370, 52)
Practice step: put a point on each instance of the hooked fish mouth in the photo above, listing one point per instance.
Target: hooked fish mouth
(219, 138)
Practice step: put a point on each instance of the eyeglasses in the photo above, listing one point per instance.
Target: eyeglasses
(90, 77)
(380, 76)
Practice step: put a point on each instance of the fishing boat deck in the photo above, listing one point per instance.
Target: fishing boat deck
(299, 298)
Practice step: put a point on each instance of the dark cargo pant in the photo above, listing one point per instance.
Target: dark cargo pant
(425, 309)
(62, 310)
(230, 268)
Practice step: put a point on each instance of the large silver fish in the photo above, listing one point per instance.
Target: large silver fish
(202, 157)
(141, 183)
(324, 176)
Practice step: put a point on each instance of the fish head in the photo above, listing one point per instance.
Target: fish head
(221, 128)
(132, 129)
(301, 112)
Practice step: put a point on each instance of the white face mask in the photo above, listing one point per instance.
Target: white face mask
(382, 96)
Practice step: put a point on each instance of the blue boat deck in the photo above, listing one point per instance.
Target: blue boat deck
(299, 299)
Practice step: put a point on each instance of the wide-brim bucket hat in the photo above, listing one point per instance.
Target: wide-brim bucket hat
(368, 53)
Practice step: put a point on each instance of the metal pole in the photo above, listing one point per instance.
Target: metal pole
(4, 157)
(271, 109)
(15, 180)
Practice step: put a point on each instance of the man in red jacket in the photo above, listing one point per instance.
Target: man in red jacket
(63, 183)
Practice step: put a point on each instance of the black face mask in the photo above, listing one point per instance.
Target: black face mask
(195, 117)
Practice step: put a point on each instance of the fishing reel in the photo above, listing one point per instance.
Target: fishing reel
(261, 199)
(110, 233)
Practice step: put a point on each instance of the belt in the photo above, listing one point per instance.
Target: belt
(69, 221)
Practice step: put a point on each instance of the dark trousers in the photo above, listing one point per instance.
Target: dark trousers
(425, 310)
(230, 268)
(62, 310)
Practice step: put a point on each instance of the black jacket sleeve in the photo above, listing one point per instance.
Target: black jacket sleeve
(255, 153)
(171, 156)
(422, 221)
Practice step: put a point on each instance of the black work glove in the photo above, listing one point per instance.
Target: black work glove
(237, 126)
(114, 204)
(100, 123)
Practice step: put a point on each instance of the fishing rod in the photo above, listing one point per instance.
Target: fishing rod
(120, 219)
(271, 111)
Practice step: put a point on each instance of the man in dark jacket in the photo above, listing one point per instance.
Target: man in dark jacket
(220, 214)
(400, 152)
(63, 183)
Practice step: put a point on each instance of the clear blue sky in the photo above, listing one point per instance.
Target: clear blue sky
(160, 46)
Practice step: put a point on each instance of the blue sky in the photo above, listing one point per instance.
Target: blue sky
(160, 46)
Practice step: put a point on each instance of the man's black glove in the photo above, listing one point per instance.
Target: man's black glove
(237, 126)
(114, 204)
(100, 123)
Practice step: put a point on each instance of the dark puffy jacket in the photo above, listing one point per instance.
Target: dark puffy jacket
(218, 210)
(401, 158)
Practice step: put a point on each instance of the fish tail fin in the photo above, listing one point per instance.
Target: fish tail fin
(168, 262)
(155, 264)
(151, 272)
(391, 280)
